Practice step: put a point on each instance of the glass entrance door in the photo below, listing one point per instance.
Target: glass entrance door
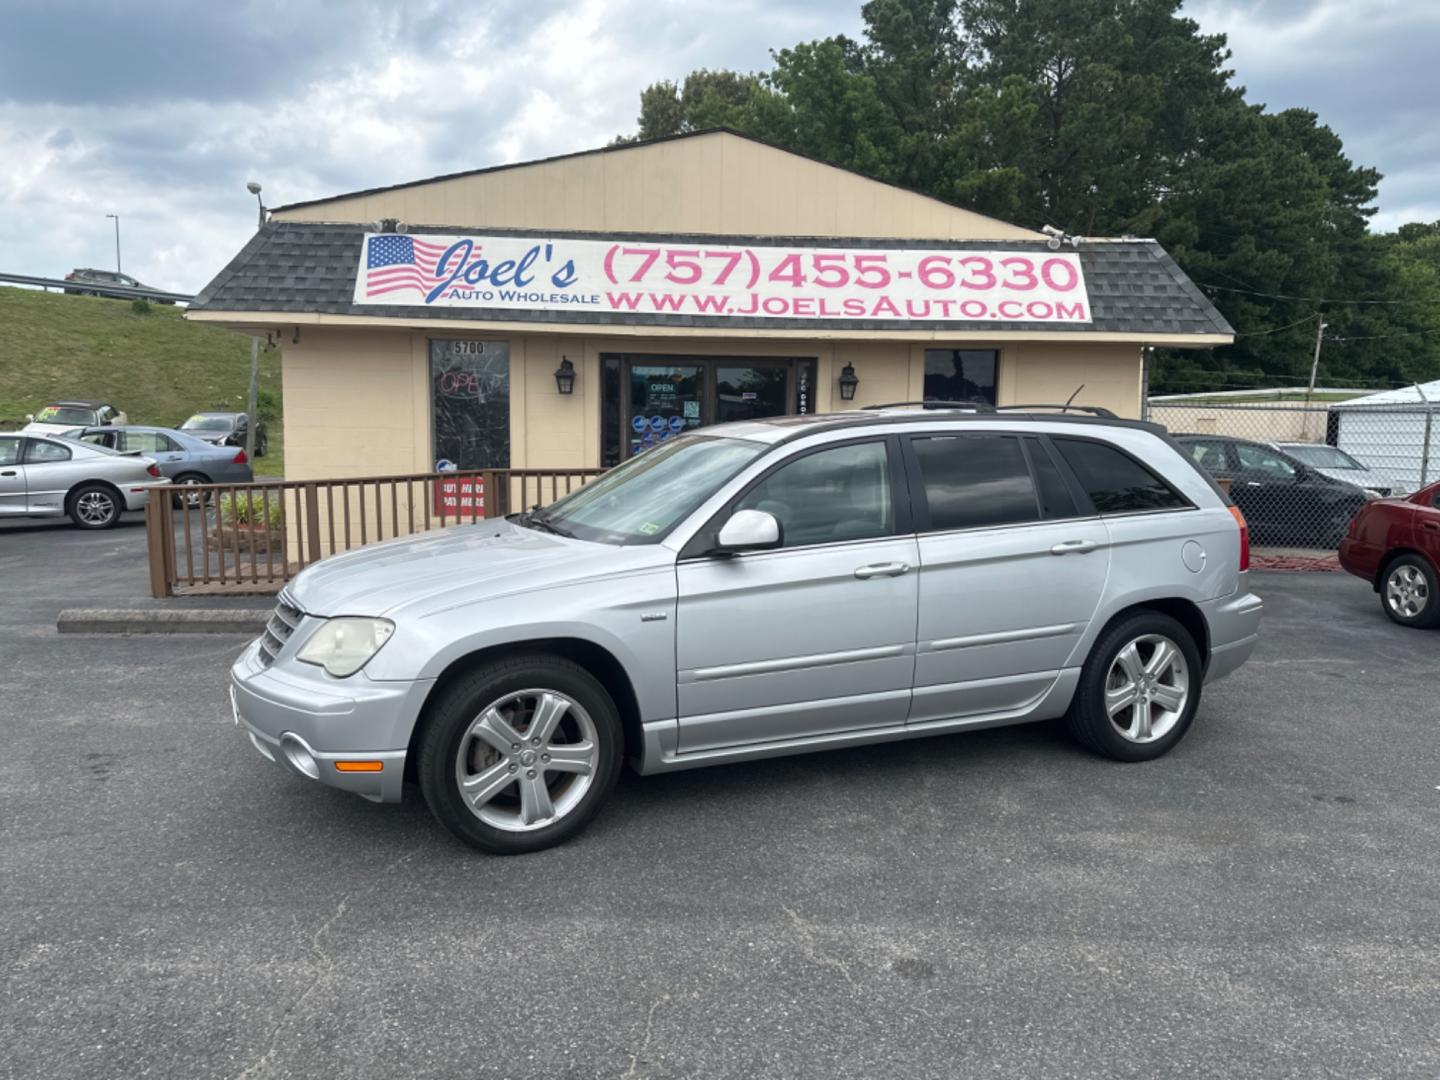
(751, 390)
(665, 400)
(650, 399)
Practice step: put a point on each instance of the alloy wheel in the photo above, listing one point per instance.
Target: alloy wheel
(1147, 688)
(1406, 591)
(95, 508)
(527, 760)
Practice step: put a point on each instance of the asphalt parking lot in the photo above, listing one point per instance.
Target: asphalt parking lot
(1262, 902)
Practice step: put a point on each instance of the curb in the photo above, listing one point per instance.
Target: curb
(162, 621)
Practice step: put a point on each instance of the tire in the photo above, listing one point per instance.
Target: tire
(186, 480)
(262, 446)
(95, 506)
(480, 730)
(1410, 591)
(1158, 711)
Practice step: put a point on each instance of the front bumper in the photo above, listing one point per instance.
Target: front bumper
(313, 725)
(1234, 623)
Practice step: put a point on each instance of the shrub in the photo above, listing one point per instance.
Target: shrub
(249, 509)
(140, 306)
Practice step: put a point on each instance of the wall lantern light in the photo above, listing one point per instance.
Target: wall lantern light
(565, 376)
(848, 383)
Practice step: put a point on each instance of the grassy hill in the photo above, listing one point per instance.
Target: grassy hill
(156, 366)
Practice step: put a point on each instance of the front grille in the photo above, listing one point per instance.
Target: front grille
(278, 630)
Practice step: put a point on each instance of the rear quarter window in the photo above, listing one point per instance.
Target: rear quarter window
(1116, 482)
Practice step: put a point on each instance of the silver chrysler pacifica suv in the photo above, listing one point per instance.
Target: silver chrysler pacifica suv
(763, 588)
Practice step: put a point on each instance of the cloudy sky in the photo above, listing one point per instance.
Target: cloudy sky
(161, 113)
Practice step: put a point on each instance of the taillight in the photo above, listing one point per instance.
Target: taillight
(1244, 538)
(154, 470)
(241, 459)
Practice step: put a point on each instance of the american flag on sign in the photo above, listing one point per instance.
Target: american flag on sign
(397, 263)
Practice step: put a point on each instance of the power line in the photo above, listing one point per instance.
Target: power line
(1307, 299)
(1382, 337)
(1278, 329)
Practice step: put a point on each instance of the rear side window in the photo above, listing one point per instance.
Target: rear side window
(972, 481)
(9, 451)
(1116, 482)
(40, 452)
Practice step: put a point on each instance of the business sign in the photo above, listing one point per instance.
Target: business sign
(721, 281)
(459, 496)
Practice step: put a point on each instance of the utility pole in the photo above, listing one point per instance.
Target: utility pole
(1320, 326)
(117, 240)
(252, 406)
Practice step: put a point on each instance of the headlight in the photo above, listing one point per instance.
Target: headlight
(343, 646)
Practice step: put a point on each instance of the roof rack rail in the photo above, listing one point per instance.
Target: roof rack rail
(1093, 410)
(973, 406)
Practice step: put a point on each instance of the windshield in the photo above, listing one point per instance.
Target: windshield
(65, 414)
(207, 423)
(1324, 457)
(642, 500)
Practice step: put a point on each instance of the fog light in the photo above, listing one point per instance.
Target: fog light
(299, 757)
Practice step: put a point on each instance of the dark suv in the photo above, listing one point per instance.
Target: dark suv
(1284, 500)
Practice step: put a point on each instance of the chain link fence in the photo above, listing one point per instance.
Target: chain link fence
(1300, 472)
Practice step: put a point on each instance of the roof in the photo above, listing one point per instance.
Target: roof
(782, 429)
(79, 402)
(293, 266)
(613, 148)
(1425, 393)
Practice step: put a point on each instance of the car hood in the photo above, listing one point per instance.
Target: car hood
(457, 565)
(1354, 477)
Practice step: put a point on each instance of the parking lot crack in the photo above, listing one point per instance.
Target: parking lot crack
(324, 971)
(810, 947)
(639, 1052)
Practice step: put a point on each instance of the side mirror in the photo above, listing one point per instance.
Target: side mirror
(29, 417)
(748, 530)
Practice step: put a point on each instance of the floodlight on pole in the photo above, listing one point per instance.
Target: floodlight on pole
(117, 240)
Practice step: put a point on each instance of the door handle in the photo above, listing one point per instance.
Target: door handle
(8, 472)
(1253, 483)
(1074, 547)
(1424, 524)
(882, 569)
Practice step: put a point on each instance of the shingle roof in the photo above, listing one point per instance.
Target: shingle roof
(310, 267)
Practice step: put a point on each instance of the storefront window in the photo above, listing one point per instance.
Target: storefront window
(470, 404)
(961, 374)
(749, 391)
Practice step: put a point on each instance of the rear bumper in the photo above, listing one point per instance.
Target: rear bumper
(138, 494)
(1234, 623)
(1360, 558)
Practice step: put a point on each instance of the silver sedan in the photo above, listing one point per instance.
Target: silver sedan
(46, 476)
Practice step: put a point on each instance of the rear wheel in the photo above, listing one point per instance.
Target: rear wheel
(1409, 592)
(194, 498)
(1139, 689)
(95, 506)
(520, 754)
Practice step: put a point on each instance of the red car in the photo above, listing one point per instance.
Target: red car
(1395, 545)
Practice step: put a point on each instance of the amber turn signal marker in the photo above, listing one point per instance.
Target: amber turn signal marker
(359, 766)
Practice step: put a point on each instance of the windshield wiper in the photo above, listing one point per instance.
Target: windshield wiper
(536, 519)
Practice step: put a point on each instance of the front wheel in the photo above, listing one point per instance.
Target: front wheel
(1409, 592)
(521, 754)
(1139, 689)
(95, 506)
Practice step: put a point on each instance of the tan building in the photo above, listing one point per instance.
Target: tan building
(571, 312)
